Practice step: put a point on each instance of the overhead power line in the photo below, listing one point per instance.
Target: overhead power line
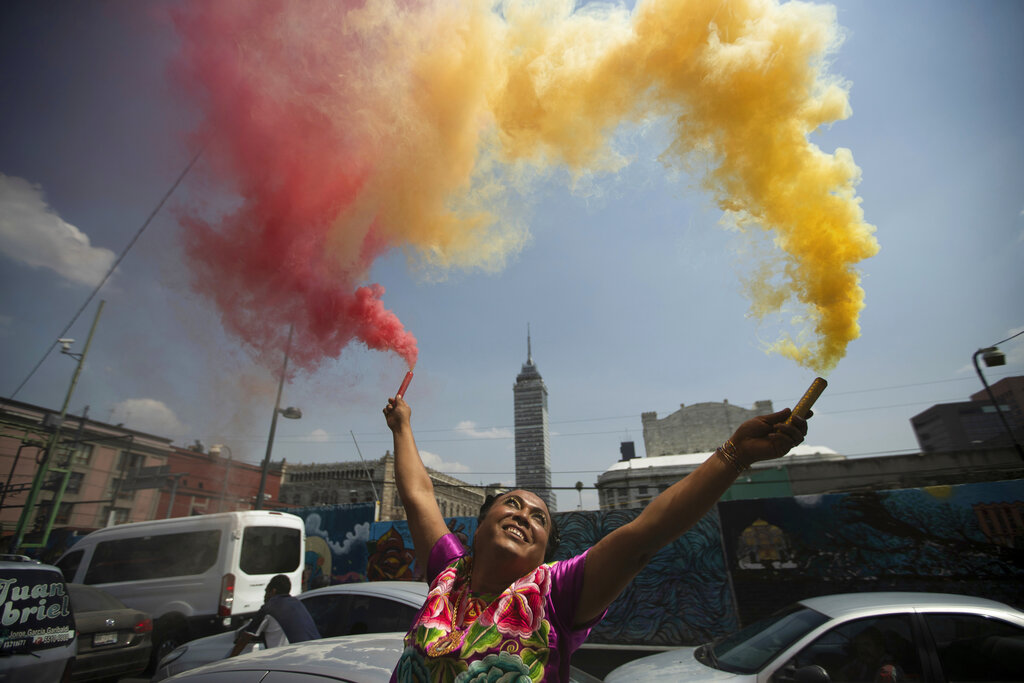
(110, 271)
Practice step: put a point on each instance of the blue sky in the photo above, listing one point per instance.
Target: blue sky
(631, 288)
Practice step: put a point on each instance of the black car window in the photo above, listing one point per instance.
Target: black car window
(749, 649)
(68, 564)
(976, 648)
(330, 613)
(348, 614)
(270, 550)
(876, 648)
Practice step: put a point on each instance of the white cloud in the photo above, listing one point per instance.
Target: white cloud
(317, 436)
(148, 415)
(32, 233)
(434, 462)
(468, 428)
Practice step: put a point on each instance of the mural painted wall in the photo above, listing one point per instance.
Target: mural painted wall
(681, 596)
(955, 539)
(747, 558)
(337, 538)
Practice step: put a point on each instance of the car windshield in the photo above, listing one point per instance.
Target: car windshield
(750, 648)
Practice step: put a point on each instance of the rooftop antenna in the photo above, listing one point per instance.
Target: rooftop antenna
(529, 352)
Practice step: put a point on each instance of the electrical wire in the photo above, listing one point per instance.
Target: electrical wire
(110, 271)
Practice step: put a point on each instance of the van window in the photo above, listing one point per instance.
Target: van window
(153, 557)
(35, 610)
(270, 550)
(68, 564)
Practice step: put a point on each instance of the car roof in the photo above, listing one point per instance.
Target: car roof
(410, 592)
(850, 604)
(364, 658)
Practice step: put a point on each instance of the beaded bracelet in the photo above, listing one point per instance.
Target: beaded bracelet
(728, 453)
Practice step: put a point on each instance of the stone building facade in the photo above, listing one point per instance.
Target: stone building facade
(370, 481)
(533, 443)
(698, 428)
(811, 470)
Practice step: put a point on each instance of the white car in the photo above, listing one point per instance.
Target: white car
(367, 658)
(341, 610)
(855, 637)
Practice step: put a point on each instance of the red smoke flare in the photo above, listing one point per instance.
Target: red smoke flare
(275, 261)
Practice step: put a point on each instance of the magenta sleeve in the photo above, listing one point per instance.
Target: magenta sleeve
(447, 549)
(566, 588)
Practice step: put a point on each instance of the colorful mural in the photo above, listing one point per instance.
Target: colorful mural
(746, 558)
(961, 539)
(391, 549)
(336, 543)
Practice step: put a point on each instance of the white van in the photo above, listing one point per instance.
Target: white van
(195, 575)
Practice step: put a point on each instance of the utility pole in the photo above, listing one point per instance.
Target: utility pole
(51, 447)
(273, 423)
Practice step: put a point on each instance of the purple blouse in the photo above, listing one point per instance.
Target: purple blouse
(526, 631)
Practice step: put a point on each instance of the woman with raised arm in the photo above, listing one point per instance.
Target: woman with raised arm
(505, 608)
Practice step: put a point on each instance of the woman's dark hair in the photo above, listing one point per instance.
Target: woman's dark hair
(554, 537)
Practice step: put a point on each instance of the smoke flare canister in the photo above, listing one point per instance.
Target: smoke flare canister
(803, 406)
(405, 384)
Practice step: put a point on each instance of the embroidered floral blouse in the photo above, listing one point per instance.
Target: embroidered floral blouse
(523, 635)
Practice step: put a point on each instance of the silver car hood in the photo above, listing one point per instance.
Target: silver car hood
(678, 664)
(365, 658)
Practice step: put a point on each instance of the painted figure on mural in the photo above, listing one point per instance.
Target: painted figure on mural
(389, 559)
(505, 608)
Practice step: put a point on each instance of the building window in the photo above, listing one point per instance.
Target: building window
(82, 454)
(120, 515)
(64, 513)
(75, 482)
(118, 485)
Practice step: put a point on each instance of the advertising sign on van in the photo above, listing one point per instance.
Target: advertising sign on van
(35, 612)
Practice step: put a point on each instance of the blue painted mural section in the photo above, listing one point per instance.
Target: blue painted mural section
(681, 596)
(336, 543)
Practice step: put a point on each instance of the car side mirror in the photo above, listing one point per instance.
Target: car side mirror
(811, 674)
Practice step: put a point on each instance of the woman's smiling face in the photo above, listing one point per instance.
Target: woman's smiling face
(518, 523)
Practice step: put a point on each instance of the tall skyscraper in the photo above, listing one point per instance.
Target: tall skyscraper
(533, 447)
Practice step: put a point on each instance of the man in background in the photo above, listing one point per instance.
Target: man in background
(283, 619)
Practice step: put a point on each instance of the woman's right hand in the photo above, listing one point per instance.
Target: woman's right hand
(397, 413)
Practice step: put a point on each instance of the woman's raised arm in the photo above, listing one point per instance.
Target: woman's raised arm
(426, 524)
(614, 560)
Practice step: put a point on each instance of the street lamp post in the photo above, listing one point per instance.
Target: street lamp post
(215, 450)
(994, 357)
(290, 412)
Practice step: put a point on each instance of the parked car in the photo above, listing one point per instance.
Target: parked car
(114, 641)
(341, 610)
(365, 658)
(854, 637)
(37, 633)
(195, 575)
